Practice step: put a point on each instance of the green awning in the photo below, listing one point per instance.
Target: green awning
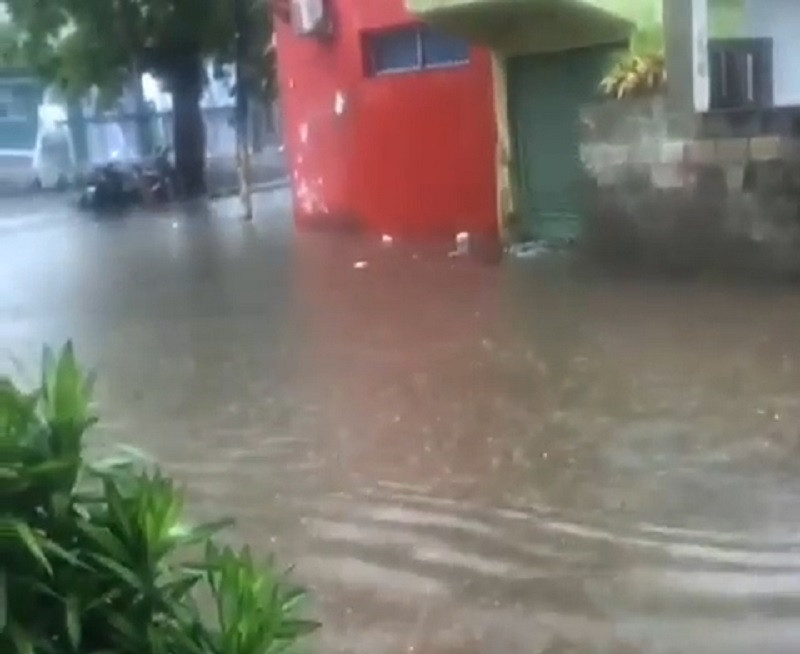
(526, 25)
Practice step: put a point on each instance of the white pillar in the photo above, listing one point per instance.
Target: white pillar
(686, 42)
(702, 76)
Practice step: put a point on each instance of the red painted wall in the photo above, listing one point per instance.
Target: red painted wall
(412, 155)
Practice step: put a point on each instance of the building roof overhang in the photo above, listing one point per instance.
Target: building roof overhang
(526, 25)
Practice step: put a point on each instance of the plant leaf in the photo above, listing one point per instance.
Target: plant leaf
(73, 618)
(120, 571)
(179, 588)
(22, 640)
(116, 506)
(292, 599)
(55, 549)
(31, 542)
(125, 628)
(106, 540)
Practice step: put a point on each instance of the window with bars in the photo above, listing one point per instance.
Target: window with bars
(741, 73)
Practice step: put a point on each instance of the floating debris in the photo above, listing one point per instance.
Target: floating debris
(387, 240)
(462, 245)
(360, 265)
(529, 250)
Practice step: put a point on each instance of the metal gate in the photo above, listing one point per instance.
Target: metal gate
(546, 93)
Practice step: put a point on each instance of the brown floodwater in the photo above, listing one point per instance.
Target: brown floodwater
(458, 458)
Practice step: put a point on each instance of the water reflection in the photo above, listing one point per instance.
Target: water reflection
(460, 458)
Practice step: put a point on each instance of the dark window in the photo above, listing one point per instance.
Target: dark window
(413, 48)
(740, 73)
(396, 51)
(440, 49)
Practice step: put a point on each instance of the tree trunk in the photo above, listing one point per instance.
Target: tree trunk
(243, 146)
(143, 118)
(189, 127)
(245, 191)
(80, 134)
(257, 122)
(243, 110)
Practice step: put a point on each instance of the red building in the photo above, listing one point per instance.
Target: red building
(389, 125)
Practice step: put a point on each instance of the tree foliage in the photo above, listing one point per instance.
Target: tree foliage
(10, 54)
(80, 44)
(259, 66)
(85, 43)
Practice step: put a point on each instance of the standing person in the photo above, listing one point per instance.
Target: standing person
(54, 153)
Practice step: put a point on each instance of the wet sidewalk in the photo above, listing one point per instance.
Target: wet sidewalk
(460, 458)
(268, 167)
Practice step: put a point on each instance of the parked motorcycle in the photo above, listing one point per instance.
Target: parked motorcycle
(110, 187)
(115, 187)
(157, 178)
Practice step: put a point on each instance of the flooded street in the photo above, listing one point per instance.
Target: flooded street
(460, 459)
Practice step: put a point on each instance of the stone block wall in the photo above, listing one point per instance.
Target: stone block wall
(689, 203)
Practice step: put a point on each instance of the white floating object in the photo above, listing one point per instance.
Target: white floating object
(387, 240)
(339, 104)
(462, 244)
(360, 265)
(529, 250)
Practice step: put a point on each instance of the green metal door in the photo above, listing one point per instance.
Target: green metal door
(546, 93)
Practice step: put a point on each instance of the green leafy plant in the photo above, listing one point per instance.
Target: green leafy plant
(635, 76)
(641, 70)
(255, 612)
(98, 559)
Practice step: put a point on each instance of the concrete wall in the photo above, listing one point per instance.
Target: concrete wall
(689, 204)
(779, 20)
